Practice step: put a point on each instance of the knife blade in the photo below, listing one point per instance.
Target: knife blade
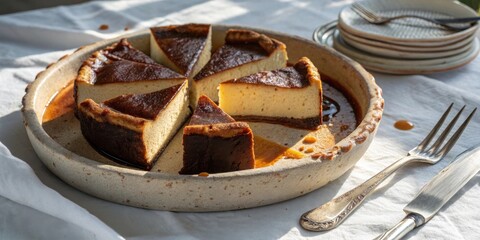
(436, 193)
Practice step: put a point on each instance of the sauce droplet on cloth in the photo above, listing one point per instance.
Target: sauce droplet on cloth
(404, 125)
(103, 27)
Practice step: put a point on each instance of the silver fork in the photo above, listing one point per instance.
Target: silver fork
(332, 213)
(375, 18)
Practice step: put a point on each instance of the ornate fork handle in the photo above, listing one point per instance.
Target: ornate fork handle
(332, 213)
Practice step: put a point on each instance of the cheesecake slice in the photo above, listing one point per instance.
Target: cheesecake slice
(245, 52)
(135, 128)
(214, 142)
(291, 96)
(183, 48)
(121, 69)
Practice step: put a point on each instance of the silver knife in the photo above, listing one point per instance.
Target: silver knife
(436, 193)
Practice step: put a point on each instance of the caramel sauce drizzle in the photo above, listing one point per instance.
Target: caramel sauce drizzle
(330, 108)
(268, 153)
(404, 125)
(62, 103)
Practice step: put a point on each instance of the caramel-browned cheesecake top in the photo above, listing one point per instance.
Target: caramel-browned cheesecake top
(207, 112)
(124, 50)
(121, 69)
(299, 75)
(241, 46)
(183, 44)
(123, 63)
(209, 120)
(214, 142)
(146, 106)
(128, 71)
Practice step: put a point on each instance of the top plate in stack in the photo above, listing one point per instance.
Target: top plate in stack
(415, 46)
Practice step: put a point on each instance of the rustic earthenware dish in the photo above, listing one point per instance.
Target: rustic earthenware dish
(217, 192)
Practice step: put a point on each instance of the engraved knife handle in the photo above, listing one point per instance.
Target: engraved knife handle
(408, 223)
(332, 213)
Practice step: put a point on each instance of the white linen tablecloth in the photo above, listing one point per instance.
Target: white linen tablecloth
(35, 204)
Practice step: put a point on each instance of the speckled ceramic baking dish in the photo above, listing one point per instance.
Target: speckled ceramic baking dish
(217, 192)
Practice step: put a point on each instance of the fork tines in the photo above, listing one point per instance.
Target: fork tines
(435, 149)
(363, 12)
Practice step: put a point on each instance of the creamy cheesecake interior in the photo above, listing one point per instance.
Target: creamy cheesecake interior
(100, 93)
(203, 58)
(157, 133)
(269, 101)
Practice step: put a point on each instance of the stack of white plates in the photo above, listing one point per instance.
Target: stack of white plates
(405, 46)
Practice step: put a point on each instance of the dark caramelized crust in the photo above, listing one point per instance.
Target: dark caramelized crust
(224, 130)
(182, 44)
(122, 63)
(284, 78)
(241, 47)
(306, 68)
(124, 50)
(230, 56)
(217, 154)
(128, 71)
(312, 123)
(207, 112)
(127, 143)
(102, 114)
(181, 31)
(299, 75)
(213, 142)
(241, 36)
(146, 106)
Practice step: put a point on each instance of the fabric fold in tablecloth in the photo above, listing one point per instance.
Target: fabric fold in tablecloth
(20, 185)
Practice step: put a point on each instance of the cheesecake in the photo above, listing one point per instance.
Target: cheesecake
(214, 142)
(121, 69)
(135, 128)
(245, 52)
(183, 48)
(291, 96)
